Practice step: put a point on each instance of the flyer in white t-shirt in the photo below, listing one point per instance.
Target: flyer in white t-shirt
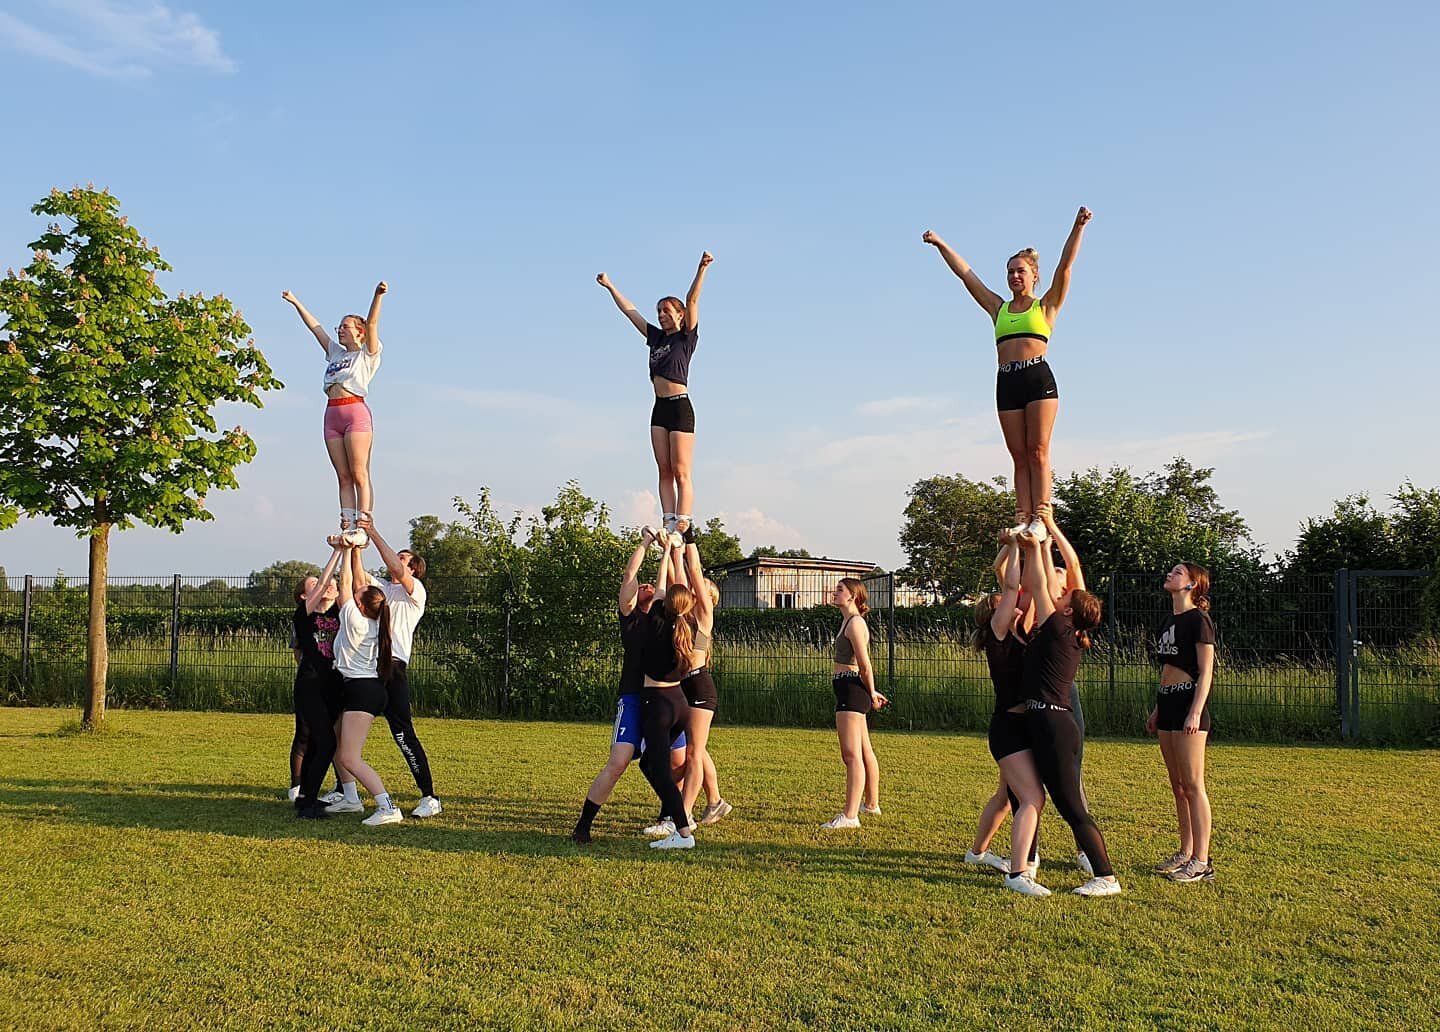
(351, 370)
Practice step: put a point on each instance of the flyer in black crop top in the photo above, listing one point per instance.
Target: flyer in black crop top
(315, 638)
(670, 353)
(1052, 660)
(1179, 636)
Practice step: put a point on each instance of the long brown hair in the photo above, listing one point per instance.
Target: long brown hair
(374, 605)
(984, 613)
(679, 604)
(1199, 585)
(858, 592)
(300, 591)
(1086, 612)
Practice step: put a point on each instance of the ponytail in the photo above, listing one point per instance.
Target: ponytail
(1086, 611)
(1200, 581)
(984, 613)
(856, 587)
(679, 602)
(382, 664)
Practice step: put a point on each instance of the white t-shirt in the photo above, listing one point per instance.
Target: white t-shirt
(351, 369)
(357, 643)
(405, 612)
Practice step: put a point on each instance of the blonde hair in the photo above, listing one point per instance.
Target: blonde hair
(1030, 257)
(679, 603)
(984, 613)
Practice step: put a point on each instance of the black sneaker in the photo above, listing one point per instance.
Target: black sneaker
(580, 838)
(312, 812)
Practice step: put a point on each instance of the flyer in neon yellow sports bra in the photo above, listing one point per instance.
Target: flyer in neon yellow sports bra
(1029, 323)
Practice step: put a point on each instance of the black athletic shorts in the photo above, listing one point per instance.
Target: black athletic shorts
(851, 695)
(366, 695)
(1008, 735)
(1172, 706)
(699, 689)
(674, 414)
(1017, 387)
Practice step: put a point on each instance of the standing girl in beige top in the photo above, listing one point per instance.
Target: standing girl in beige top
(855, 697)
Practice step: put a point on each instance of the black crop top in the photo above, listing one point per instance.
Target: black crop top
(1051, 662)
(659, 660)
(1179, 636)
(1006, 657)
(670, 352)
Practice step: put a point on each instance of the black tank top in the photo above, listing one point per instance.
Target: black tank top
(1051, 662)
(1006, 657)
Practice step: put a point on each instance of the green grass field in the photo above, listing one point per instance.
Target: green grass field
(156, 878)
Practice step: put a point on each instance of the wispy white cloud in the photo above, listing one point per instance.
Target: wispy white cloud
(900, 406)
(755, 528)
(111, 39)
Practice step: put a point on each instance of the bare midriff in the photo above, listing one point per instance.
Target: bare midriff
(668, 388)
(1020, 349)
(841, 668)
(336, 391)
(1174, 675)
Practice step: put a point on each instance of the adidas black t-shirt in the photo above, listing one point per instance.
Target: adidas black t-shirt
(1179, 636)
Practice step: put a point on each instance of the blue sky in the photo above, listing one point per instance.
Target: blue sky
(1254, 291)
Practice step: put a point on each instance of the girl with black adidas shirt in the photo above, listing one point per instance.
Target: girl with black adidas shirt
(1185, 650)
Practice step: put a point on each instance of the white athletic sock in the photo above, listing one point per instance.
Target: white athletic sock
(383, 801)
(350, 792)
(347, 516)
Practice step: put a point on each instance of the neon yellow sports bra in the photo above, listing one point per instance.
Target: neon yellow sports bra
(1029, 323)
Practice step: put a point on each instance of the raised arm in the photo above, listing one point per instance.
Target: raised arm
(311, 323)
(630, 580)
(1035, 580)
(623, 303)
(983, 295)
(1004, 613)
(372, 321)
(1074, 573)
(662, 576)
(357, 564)
(692, 296)
(315, 599)
(399, 568)
(675, 545)
(695, 575)
(347, 577)
(1060, 285)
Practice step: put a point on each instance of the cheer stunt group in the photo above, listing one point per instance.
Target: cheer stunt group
(353, 639)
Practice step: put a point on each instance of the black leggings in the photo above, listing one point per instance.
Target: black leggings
(1054, 741)
(663, 715)
(299, 743)
(402, 727)
(317, 705)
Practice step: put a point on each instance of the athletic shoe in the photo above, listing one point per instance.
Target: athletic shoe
(660, 829)
(873, 811)
(429, 807)
(294, 793)
(1173, 863)
(1099, 887)
(387, 816)
(355, 537)
(675, 841)
(1025, 885)
(1036, 529)
(332, 797)
(1195, 870)
(713, 814)
(987, 859)
(1083, 862)
(580, 838)
(345, 806)
(313, 812)
(841, 822)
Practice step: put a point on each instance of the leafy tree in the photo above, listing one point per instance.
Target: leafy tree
(106, 391)
(275, 585)
(949, 532)
(763, 551)
(717, 545)
(453, 552)
(1355, 536)
(1416, 526)
(1190, 486)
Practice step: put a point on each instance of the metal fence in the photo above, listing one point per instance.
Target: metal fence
(1350, 655)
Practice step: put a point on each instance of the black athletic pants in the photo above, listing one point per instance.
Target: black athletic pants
(402, 727)
(1054, 741)
(318, 700)
(663, 715)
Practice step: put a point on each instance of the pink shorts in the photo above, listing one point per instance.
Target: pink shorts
(346, 416)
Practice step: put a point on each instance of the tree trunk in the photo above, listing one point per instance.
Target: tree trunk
(97, 652)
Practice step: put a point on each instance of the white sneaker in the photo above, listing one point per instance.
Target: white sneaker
(379, 817)
(660, 829)
(1025, 885)
(355, 537)
(987, 859)
(712, 814)
(840, 822)
(333, 796)
(1036, 529)
(873, 811)
(428, 807)
(675, 841)
(1099, 887)
(294, 793)
(346, 806)
(1083, 862)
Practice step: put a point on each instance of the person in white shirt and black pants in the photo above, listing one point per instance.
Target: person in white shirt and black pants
(406, 596)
